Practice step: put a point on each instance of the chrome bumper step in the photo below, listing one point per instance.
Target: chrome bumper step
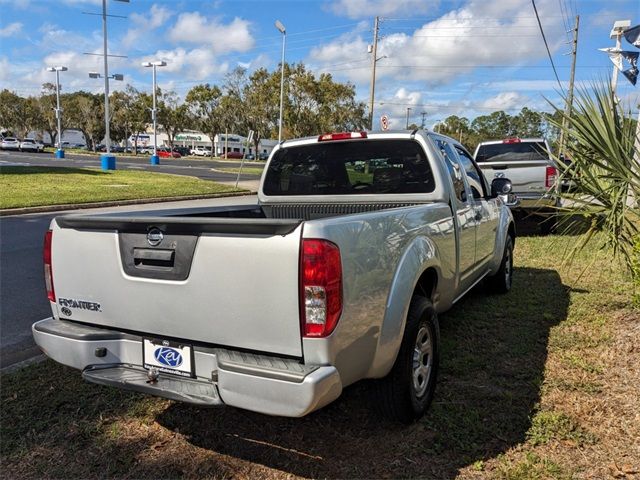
(177, 388)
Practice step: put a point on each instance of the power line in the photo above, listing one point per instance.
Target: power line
(555, 72)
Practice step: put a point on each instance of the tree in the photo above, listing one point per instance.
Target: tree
(261, 104)
(605, 170)
(494, 126)
(85, 111)
(172, 116)
(19, 115)
(528, 124)
(47, 115)
(457, 127)
(203, 102)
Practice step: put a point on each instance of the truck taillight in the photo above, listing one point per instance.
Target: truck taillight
(48, 272)
(320, 287)
(552, 175)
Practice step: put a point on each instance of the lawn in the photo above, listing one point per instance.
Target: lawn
(539, 383)
(38, 186)
(245, 170)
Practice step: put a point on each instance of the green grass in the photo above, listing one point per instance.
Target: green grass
(39, 186)
(556, 426)
(536, 384)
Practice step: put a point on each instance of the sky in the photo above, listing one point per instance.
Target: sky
(440, 57)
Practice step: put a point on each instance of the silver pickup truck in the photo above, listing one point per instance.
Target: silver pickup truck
(527, 162)
(358, 240)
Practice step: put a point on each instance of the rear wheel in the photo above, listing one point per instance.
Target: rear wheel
(406, 392)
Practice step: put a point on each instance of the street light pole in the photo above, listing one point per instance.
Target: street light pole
(59, 151)
(283, 31)
(108, 161)
(155, 160)
(107, 141)
(408, 110)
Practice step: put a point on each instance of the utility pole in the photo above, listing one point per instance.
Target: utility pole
(408, 110)
(569, 106)
(374, 60)
(424, 116)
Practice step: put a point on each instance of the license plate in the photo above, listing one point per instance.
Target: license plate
(168, 357)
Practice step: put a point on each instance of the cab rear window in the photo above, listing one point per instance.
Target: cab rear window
(350, 168)
(509, 152)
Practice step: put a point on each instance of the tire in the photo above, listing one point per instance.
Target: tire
(503, 278)
(406, 392)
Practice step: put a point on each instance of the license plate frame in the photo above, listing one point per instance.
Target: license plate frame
(151, 358)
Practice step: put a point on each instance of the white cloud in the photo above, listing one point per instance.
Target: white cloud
(505, 101)
(145, 23)
(11, 29)
(194, 28)
(478, 34)
(197, 64)
(369, 8)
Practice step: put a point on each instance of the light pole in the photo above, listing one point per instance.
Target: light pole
(59, 151)
(283, 31)
(408, 110)
(155, 160)
(108, 161)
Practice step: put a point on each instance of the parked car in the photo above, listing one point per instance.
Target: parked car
(164, 152)
(183, 151)
(250, 156)
(529, 165)
(31, 145)
(231, 155)
(263, 156)
(200, 151)
(10, 143)
(351, 274)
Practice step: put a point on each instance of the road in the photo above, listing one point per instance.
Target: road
(23, 298)
(205, 169)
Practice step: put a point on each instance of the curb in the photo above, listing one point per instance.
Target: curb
(24, 363)
(116, 203)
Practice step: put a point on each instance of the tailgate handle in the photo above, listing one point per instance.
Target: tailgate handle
(149, 258)
(500, 167)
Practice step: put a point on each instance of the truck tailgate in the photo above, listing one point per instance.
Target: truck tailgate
(525, 176)
(230, 285)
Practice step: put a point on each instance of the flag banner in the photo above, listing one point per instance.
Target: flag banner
(633, 35)
(615, 58)
(631, 57)
(631, 74)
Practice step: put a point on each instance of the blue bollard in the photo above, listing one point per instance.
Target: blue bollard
(108, 162)
(60, 153)
(155, 160)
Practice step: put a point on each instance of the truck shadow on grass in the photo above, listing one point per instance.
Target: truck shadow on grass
(492, 367)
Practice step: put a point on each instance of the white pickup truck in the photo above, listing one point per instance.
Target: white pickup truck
(358, 240)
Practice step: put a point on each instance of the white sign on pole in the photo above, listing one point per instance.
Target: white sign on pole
(384, 122)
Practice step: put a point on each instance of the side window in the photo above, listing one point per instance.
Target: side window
(454, 169)
(473, 175)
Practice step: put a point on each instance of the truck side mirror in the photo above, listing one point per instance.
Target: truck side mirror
(500, 186)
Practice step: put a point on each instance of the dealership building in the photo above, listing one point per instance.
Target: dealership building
(191, 139)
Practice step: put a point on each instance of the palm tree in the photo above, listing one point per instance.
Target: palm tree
(604, 151)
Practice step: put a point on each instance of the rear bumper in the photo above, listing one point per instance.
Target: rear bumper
(532, 202)
(261, 383)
